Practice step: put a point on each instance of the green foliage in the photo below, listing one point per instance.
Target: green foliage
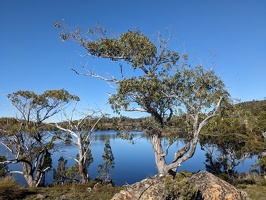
(179, 186)
(165, 83)
(105, 168)
(261, 164)
(261, 127)
(72, 172)
(37, 108)
(197, 87)
(236, 136)
(3, 167)
(63, 174)
(255, 106)
(59, 175)
(26, 137)
(132, 46)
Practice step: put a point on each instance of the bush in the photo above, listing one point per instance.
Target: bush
(9, 189)
(179, 186)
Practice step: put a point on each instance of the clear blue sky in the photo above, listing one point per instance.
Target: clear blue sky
(32, 56)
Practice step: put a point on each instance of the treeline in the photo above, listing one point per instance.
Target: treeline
(255, 107)
(251, 114)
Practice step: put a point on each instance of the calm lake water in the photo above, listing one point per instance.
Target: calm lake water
(133, 162)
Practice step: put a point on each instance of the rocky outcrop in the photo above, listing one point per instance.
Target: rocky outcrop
(211, 187)
(205, 186)
(148, 189)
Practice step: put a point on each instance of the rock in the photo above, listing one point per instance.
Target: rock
(147, 189)
(205, 185)
(63, 197)
(89, 189)
(123, 195)
(97, 186)
(41, 196)
(211, 187)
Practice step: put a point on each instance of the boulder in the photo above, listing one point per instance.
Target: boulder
(148, 189)
(211, 187)
(205, 186)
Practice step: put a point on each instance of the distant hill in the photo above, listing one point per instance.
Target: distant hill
(255, 106)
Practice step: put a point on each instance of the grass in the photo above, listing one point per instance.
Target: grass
(9, 189)
(74, 191)
(256, 192)
(253, 184)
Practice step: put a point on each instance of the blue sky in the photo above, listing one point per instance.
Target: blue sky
(32, 56)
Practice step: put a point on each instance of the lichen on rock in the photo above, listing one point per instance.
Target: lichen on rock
(200, 186)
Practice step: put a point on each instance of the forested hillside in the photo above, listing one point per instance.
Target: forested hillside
(255, 106)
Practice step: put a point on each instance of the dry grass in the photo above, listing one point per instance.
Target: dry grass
(73, 191)
(256, 192)
(9, 189)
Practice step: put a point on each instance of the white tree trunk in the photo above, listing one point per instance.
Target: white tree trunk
(159, 155)
(28, 175)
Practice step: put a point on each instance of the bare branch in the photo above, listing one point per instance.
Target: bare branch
(167, 149)
(92, 74)
(214, 113)
(7, 162)
(16, 172)
(6, 146)
(66, 130)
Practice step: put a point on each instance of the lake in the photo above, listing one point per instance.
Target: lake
(133, 162)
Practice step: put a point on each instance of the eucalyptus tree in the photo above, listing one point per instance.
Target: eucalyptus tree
(227, 146)
(25, 136)
(78, 132)
(233, 138)
(164, 83)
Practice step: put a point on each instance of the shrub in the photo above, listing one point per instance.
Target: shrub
(9, 189)
(179, 186)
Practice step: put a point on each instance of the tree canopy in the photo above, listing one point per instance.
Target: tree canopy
(25, 136)
(166, 84)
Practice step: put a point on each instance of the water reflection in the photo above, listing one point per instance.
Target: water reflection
(133, 161)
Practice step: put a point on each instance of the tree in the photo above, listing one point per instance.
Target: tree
(3, 167)
(59, 175)
(25, 136)
(104, 169)
(164, 83)
(79, 133)
(233, 139)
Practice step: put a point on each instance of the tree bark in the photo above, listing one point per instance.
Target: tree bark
(83, 173)
(159, 155)
(81, 161)
(28, 174)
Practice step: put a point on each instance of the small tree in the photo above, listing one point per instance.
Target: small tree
(3, 167)
(79, 133)
(164, 83)
(59, 175)
(25, 137)
(105, 168)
